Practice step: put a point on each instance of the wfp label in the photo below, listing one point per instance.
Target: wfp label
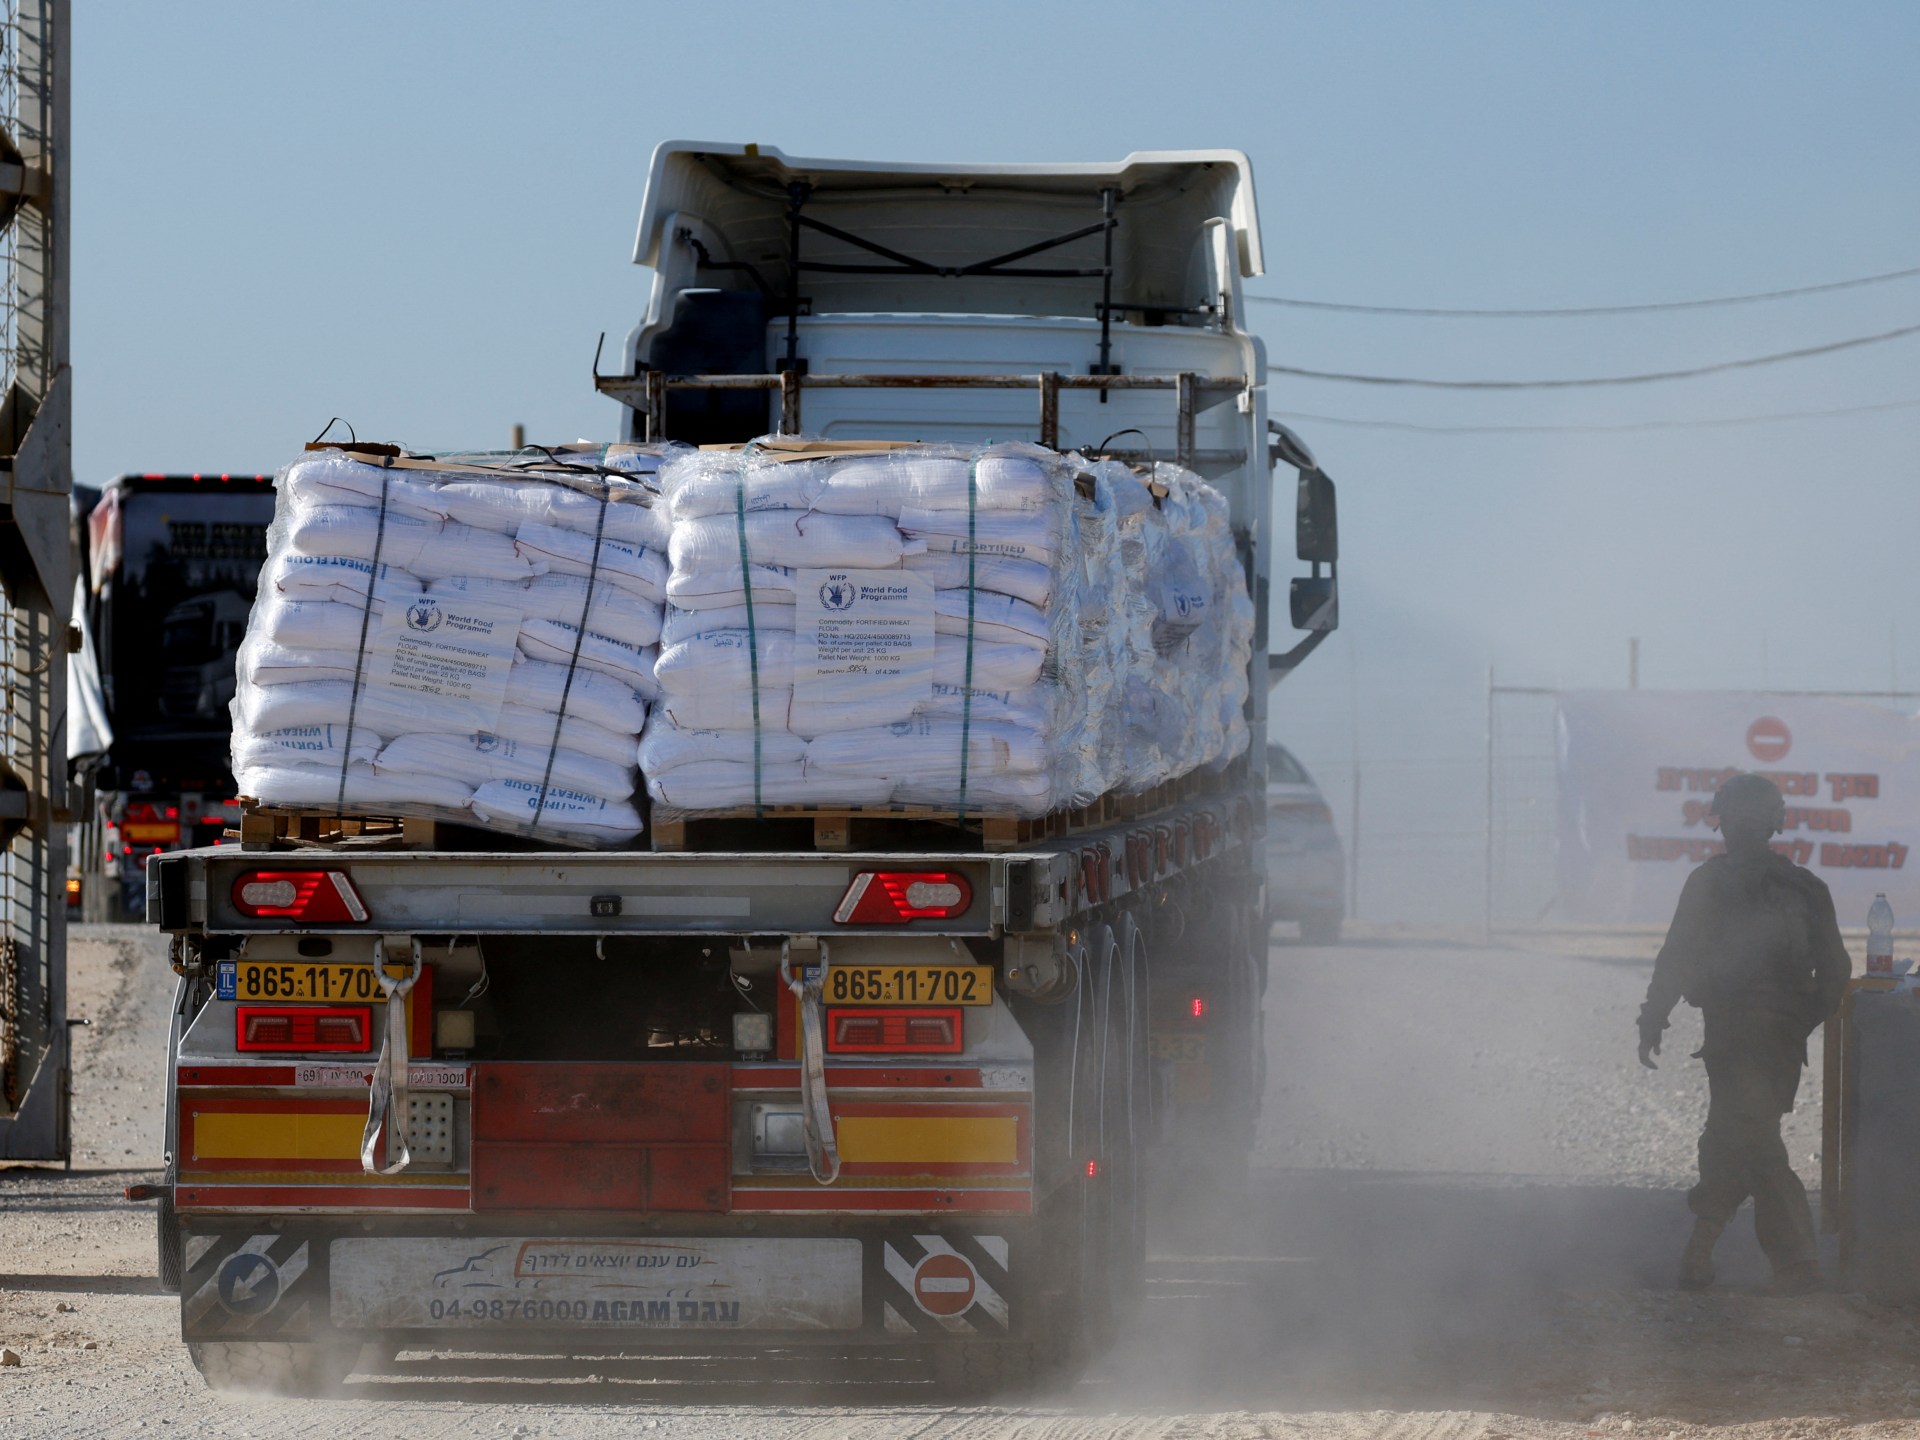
(861, 635)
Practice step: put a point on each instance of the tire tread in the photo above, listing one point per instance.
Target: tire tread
(273, 1367)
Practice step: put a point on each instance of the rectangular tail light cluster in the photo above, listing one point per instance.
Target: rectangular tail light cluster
(315, 897)
(894, 897)
(303, 1028)
(873, 1031)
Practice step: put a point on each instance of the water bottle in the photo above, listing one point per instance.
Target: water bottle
(1880, 937)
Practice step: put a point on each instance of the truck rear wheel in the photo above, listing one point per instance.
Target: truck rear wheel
(267, 1367)
(1107, 1235)
(1006, 1369)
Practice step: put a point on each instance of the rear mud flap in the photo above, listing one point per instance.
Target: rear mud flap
(934, 1284)
(236, 1286)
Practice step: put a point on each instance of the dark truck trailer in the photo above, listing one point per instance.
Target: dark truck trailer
(168, 566)
(756, 1093)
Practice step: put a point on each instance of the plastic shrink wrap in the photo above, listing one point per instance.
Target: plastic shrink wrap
(495, 640)
(870, 625)
(470, 639)
(1003, 630)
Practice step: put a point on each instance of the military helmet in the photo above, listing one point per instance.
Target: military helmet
(1751, 796)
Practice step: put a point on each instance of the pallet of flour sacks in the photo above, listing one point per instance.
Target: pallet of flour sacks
(467, 640)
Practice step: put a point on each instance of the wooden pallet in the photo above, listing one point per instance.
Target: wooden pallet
(282, 827)
(895, 827)
(828, 828)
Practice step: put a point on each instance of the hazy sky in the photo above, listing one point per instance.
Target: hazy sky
(421, 216)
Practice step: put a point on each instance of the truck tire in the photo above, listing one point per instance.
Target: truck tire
(999, 1369)
(1133, 1122)
(167, 1224)
(1109, 1250)
(267, 1367)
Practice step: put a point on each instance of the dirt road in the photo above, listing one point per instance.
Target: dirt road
(1464, 1214)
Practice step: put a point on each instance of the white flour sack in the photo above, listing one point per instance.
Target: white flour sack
(999, 629)
(469, 638)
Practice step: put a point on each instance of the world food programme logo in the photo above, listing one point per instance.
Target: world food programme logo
(486, 742)
(837, 594)
(425, 616)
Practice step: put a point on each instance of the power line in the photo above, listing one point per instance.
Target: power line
(1424, 383)
(1360, 424)
(1564, 311)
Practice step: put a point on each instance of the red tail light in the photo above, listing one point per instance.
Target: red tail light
(1198, 1007)
(893, 897)
(302, 1027)
(891, 1032)
(318, 897)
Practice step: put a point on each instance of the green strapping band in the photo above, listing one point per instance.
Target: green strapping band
(753, 635)
(966, 695)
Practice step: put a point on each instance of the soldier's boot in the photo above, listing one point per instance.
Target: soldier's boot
(1696, 1261)
(1801, 1277)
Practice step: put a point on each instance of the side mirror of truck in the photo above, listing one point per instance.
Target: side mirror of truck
(1314, 602)
(1316, 521)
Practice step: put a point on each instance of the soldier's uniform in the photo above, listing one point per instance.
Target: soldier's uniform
(1755, 945)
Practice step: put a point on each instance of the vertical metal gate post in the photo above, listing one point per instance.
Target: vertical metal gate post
(1487, 919)
(35, 578)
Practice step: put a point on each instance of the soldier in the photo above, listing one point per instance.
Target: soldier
(1754, 944)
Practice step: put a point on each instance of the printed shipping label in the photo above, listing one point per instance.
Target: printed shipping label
(683, 1283)
(454, 653)
(862, 634)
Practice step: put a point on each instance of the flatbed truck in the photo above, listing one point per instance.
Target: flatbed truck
(807, 1085)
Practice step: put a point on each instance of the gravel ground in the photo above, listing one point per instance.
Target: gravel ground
(1464, 1214)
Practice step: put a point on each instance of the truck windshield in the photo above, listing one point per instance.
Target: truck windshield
(178, 607)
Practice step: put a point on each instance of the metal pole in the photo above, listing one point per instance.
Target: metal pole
(1487, 918)
(1353, 863)
(797, 194)
(1633, 664)
(1108, 198)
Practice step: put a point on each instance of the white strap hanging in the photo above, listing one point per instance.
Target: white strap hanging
(387, 1100)
(816, 1119)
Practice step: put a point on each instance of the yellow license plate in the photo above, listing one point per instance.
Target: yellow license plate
(908, 985)
(1186, 1048)
(321, 981)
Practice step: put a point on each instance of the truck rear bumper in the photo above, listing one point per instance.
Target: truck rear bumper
(620, 1286)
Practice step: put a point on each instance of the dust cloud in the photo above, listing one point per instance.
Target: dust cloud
(1469, 1198)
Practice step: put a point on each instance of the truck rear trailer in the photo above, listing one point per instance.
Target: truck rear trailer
(817, 1080)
